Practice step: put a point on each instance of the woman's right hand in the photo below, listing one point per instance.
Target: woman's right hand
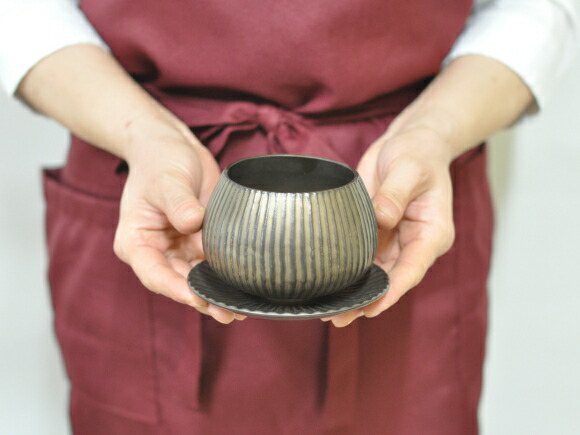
(171, 176)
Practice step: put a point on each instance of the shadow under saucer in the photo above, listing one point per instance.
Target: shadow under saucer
(208, 286)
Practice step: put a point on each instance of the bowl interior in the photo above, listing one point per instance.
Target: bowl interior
(290, 174)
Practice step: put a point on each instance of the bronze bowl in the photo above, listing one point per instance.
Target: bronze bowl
(289, 228)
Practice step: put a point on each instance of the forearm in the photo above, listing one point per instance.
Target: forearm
(87, 91)
(473, 97)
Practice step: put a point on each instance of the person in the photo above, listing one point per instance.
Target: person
(166, 94)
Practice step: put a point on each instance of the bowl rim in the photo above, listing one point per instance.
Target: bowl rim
(355, 173)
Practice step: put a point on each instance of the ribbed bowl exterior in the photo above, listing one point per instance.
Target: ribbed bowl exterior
(290, 245)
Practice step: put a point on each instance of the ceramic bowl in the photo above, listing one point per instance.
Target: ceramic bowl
(290, 228)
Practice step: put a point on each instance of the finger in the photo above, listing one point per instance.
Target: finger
(367, 169)
(221, 315)
(181, 206)
(409, 269)
(399, 187)
(345, 319)
(157, 274)
(388, 247)
(180, 265)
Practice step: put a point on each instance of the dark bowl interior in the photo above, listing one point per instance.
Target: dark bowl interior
(290, 174)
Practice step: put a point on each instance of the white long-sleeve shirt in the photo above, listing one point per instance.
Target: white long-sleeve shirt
(535, 38)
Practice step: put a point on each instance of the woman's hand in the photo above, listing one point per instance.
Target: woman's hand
(171, 176)
(407, 175)
(407, 169)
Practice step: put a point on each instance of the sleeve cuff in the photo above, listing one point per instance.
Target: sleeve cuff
(31, 31)
(538, 45)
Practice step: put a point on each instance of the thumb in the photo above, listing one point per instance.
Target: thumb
(394, 195)
(183, 208)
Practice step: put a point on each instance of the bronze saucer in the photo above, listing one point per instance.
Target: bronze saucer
(208, 286)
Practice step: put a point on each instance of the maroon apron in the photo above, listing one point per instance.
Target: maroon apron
(315, 77)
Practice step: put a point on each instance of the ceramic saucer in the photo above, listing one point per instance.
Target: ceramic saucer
(206, 284)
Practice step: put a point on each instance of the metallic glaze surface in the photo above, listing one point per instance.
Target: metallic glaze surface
(297, 244)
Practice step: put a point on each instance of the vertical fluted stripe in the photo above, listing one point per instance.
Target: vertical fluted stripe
(210, 232)
(345, 237)
(333, 230)
(371, 221)
(269, 243)
(361, 211)
(230, 241)
(309, 253)
(324, 237)
(368, 221)
(317, 240)
(258, 267)
(354, 247)
(328, 242)
(253, 247)
(244, 231)
(297, 246)
(278, 245)
(298, 251)
(359, 240)
(289, 269)
(223, 209)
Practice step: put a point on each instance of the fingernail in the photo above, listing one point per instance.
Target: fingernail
(190, 214)
(384, 211)
(195, 210)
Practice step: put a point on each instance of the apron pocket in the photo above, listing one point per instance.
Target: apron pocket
(102, 312)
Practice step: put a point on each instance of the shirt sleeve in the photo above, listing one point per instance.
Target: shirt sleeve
(30, 30)
(536, 39)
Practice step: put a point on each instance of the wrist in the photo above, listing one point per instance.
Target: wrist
(430, 120)
(86, 90)
(149, 130)
(472, 98)
(433, 130)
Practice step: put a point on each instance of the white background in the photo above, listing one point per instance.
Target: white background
(532, 376)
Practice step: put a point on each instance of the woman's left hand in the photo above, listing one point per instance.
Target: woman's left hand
(407, 175)
(407, 169)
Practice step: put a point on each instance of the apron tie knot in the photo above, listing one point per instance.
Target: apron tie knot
(285, 131)
(269, 117)
(282, 128)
